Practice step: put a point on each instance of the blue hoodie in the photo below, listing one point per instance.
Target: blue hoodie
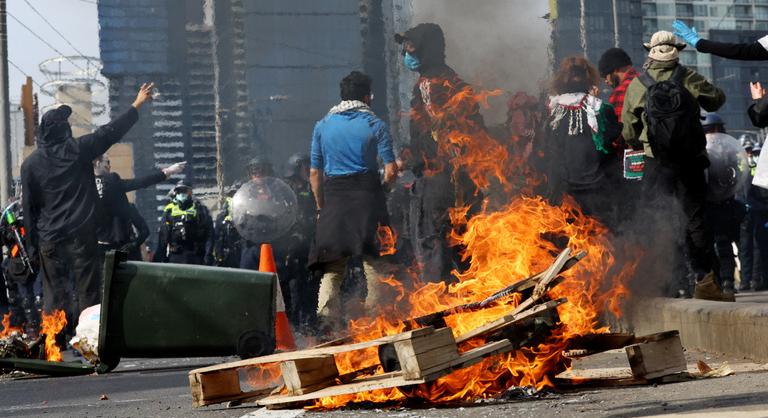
(348, 143)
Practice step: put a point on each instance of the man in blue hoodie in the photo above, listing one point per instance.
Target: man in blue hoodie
(349, 194)
(60, 202)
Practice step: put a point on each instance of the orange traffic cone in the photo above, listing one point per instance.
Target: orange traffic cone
(283, 335)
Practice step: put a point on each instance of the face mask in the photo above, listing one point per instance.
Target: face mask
(412, 63)
(181, 197)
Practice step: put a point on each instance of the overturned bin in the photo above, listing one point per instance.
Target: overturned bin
(155, 310)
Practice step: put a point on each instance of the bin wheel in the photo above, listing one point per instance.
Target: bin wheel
(254, 343)
(107, 364)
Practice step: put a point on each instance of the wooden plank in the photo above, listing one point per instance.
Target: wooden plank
(509, 319)
(316, 352)
(381, 381)
(653, 359)
(212, 387)
(395, 379)
(546, 279)
(306, 375)
(413, 366)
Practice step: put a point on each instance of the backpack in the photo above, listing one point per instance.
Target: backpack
(674, 126)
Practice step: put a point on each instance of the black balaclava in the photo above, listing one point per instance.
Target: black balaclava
(54, 127)
(429, 41)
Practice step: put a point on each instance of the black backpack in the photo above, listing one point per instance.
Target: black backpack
(674, 126)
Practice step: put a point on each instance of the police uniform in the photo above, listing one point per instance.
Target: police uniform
(186, 233)
(227, 246)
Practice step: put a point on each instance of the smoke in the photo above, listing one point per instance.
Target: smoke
(493, 44)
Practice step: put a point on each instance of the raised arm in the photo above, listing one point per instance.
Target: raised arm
(98, 142)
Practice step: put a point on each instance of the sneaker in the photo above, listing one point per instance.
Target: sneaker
(706, 288)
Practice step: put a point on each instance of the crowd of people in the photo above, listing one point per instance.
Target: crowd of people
(354, 181)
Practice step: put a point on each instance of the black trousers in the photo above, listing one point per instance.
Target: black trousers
(73, 259)
(687, 186)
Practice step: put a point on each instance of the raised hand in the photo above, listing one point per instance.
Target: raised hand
(144, 95)
(757, 90)
(174, 169)
(682, 31)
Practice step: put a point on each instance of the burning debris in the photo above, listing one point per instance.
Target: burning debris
(15, 344)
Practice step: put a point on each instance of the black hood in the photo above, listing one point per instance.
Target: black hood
(54, 127)
(429, 41)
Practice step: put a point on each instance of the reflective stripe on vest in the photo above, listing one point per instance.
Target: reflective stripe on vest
(177, 212)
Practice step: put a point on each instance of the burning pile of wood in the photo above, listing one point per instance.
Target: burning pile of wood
(18, 345)
(427, 351)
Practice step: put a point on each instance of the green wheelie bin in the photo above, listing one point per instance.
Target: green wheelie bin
(155, 310)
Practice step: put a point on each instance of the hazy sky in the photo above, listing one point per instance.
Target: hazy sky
(75, 19)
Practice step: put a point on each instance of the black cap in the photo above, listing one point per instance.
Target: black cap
(612, 60)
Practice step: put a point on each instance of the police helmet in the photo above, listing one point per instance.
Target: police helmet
(260, 166)
(296, 161)
(180, 187)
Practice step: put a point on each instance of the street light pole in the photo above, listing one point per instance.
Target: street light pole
(5, 111)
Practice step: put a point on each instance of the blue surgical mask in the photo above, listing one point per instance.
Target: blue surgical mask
(181, 197)
(412, 63)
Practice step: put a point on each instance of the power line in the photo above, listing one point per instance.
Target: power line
(46, 42)
(55, 30)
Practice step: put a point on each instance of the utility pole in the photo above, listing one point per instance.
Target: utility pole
(5, 111)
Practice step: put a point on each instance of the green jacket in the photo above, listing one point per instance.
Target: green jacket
(633, 115)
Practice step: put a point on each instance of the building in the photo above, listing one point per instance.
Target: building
(599, 29)
(259, 74)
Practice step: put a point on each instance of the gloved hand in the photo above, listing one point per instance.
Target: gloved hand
(682, 31)
(174, 169)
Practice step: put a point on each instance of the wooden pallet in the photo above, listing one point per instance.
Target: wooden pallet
(424, 355)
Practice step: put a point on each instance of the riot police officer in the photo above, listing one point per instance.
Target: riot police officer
(303, 286)
(258, 168)
(186, 230)
(23, 285)
(227, 241)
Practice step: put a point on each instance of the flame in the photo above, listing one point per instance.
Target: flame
(518, 238)
(52, 325)
(7, 328)
(387, 238)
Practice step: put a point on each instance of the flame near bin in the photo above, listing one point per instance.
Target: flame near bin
(154, 310)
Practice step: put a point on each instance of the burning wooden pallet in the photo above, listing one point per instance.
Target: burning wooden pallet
(414, 357)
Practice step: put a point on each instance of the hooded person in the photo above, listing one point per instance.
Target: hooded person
(61, 202)
(675, 173)
(440, 184)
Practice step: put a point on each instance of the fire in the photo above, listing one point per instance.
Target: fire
(7, 328)
(518, 238)
(52, 325)
(387, 238)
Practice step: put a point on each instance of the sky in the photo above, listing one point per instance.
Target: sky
(76, 19)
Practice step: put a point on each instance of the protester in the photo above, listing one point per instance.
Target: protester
(755, 51)
(115, 227)
(140, 233)
(60, 202)
(227, 243)
(23, 284)
(349, 195)
(757, 201)
(579, 134)
(675, 148)
(616, 69)
(186, 230)
(724, 215)
(435, 190)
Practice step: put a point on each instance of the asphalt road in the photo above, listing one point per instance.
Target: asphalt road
(159, 388)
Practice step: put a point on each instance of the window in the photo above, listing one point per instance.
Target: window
(684, 10)
(743, 25)
(761, 12)
(742, 11)
(700, 10)
(649, 9)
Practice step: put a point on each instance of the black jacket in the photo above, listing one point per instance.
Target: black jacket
(746, 52)
(60, 196)
(115, 223)
(758, 113)
(196, 237)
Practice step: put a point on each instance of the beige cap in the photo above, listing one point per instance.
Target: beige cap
(664, 46)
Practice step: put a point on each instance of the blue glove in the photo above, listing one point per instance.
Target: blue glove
(689, 35)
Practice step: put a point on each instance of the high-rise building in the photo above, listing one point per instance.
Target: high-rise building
(601, 25)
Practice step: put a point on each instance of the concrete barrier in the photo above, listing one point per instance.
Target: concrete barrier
(737, 329)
